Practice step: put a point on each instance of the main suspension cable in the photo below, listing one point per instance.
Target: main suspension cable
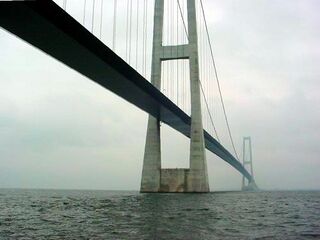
(218, 82)
(211, 119)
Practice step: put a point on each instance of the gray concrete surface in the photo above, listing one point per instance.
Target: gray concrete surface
(195, 179)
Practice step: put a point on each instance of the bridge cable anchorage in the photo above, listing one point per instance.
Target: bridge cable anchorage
(218, 82)
(207, 107)
(101, 19)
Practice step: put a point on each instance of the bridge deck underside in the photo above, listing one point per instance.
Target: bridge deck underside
(46, 26)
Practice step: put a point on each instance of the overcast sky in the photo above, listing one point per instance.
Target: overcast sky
(60, 130)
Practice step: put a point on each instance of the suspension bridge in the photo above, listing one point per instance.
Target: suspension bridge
(109, 42)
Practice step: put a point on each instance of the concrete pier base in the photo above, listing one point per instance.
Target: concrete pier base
(174, 180)
(181, 180)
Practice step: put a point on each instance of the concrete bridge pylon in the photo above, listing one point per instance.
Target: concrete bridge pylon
(248, 185)
(194, 179)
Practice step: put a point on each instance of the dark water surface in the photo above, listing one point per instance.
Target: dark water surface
(55, 214)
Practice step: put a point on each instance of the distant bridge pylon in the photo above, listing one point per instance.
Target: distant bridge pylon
(248, 185)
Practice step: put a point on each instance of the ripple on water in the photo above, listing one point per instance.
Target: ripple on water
(129, 215)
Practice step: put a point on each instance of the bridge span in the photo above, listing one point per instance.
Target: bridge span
(49, 28)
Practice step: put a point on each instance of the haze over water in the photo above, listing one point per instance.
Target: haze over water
(66, 214)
